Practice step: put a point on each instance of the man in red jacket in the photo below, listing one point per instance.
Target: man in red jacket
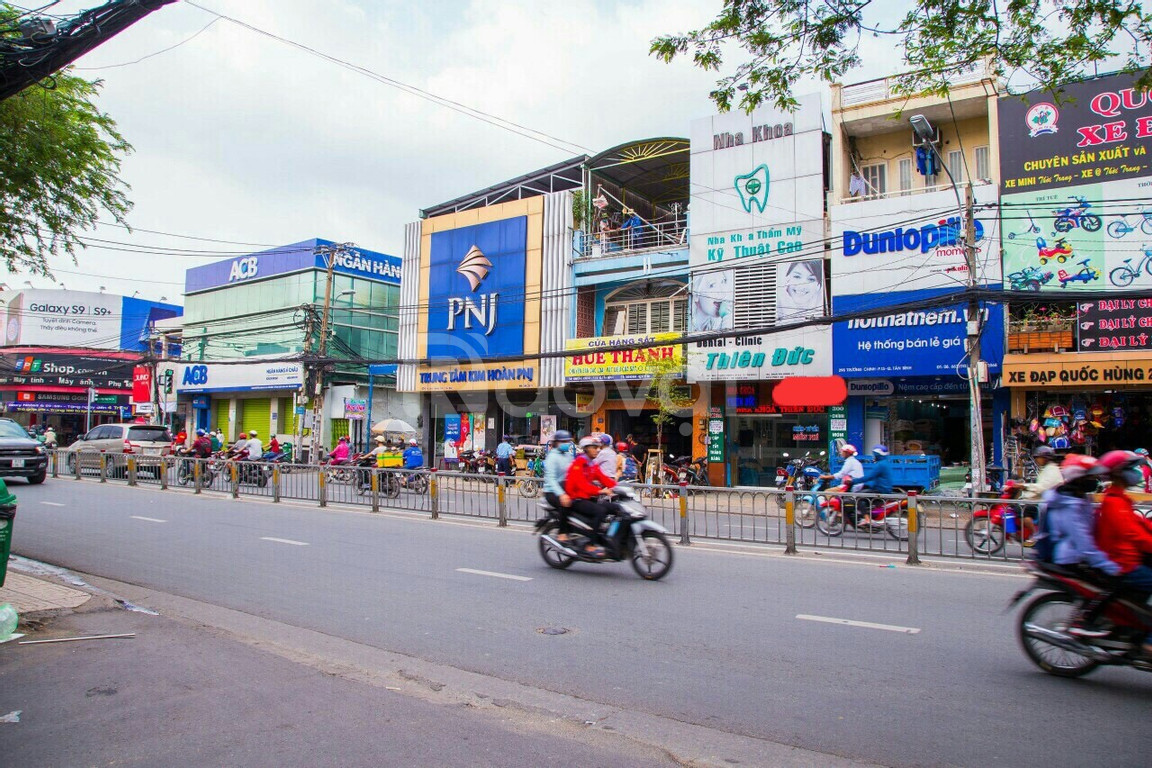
(1121, 533)
(583, 484)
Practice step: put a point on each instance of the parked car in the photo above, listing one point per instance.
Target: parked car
(136, 439)
(21, 455)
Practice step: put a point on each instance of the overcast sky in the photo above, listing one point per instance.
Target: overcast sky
(240, 137)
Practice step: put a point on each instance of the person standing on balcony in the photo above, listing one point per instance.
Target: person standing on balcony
(633, 229)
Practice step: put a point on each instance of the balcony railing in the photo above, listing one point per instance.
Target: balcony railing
(884, 88)
(665, 235)
(1044, 335)
(907, 192)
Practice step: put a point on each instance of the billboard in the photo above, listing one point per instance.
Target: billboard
(1092, 130)
(761, 356)
(63, 318)
(476, 295)
(55, 369)
(357, 262)
(241, 377)
(600, 360)
(757, 183)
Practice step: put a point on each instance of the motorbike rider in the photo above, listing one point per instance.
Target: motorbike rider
(556, 471)
(583, 484)
(1124, 536)
(202, 447)
(50, 438)
(626, 466)
(1070, 518)
(877, 479)
(851, 470)
(1049, 473)
(1145, 469)
(340, 453)
(606, 459)
(413, 456)
(273, 446)
(255, 447)
(217, 445)
(239, 447)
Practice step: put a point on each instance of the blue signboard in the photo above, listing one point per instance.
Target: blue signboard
(918, 342)
(296, 257)
(452, 427)
(476, 296)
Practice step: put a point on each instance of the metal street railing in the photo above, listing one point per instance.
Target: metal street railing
(902, 526)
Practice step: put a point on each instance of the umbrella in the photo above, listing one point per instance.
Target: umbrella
(393, 426)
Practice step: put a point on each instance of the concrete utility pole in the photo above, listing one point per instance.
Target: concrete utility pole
(330, 253)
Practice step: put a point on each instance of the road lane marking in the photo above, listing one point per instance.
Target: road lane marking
(863, 624)
(494, 575)
(148, 519)
(284, 541)
(52, 504)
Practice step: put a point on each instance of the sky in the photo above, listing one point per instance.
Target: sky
(239, 137)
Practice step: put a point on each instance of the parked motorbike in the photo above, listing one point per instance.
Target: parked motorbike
(793, 474)
(629, 535)
(990, 529)
(477, 463)
(1044, 622)
(530, 481)
(843, 512)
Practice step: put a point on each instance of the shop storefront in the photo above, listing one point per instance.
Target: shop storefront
(765, 435)
(492, 280)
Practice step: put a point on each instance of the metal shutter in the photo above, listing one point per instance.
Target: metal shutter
(220, 422)
(257, 416)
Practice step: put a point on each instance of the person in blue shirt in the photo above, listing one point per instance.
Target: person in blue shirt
(413, 456)
(556, 466)
(877, 478)
(504, 453)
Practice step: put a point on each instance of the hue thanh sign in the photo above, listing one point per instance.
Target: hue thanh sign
(600, 359)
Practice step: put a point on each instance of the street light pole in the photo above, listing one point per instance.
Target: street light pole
(974, 320)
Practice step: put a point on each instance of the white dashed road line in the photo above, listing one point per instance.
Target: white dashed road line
(284, 541)
(53, 504)
(494, 575)
(862, 624)
(148, 519)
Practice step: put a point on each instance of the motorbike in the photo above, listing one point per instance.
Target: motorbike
(843, 512)
(342, 471)
(1060, 250)
(185, 471)
(1044, 622)
(990, 529)
(477, 463)
(1029, 279)
(1071, 218)
(630, 535)
(801, 473)
(391, 482)
(814, 505)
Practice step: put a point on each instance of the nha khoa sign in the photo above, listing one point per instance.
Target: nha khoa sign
(756, 356)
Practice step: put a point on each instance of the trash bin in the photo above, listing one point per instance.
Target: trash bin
(7, 518)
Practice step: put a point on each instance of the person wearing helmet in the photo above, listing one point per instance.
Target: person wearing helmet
(1068, 537)
(877, 479)
(255, 447)
(1145, 468)
(556, 466)
(626, 467)
(606, 458)
(413, 456)
(1048, 476)
(583, 484)
(238, 447)
(852, 469)
(217, 443)
(1124, 536)
(202, 447)
(504, 452)
(341, 453)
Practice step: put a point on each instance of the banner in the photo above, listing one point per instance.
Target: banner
(601, 361)
(141, 384)
(27, 370)
(802, 352)
(1114, 325)
(241, 377)
(1041, 371)
(547, 429)
(61, 318)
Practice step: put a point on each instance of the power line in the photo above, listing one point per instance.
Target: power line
(156, 53)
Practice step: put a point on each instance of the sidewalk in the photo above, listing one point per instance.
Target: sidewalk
(31, 595)
(178, 695)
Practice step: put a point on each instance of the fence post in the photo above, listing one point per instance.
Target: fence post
(501, 501)
(434, 491)
(374, 478)
(234, 472)
(131, 470)
(55, 463)
(684, 513)
(322, 477)
(163, 473)
(103, 468)
(197, 475)
(913, 530)
(276, 482)
(76, 463)
(790, 520)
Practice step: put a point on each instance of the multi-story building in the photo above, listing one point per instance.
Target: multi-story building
(897, 242)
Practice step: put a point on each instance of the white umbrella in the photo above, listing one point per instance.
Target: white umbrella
(393, 426)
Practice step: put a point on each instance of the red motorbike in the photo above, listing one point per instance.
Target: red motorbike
(990, 529)
(1044, 623)
(889, 516)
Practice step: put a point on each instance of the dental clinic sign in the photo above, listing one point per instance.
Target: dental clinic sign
(757, 183)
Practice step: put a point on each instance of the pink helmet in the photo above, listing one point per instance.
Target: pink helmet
(1077, 465)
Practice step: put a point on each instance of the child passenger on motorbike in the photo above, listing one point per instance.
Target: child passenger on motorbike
(583, 484)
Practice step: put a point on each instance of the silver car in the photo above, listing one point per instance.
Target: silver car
(147, 440)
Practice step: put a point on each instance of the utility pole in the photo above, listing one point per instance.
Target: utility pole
(298, 432)
(330, 252)
(975, 326)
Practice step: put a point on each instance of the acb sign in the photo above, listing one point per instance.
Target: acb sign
(243, 269)
(195, 375)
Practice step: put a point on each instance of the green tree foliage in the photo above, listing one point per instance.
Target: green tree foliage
(784, 41)
(59, 165)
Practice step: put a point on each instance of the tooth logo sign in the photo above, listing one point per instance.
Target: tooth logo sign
(753, 189)
(475, 266)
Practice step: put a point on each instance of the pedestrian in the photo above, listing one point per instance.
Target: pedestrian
(504, 453)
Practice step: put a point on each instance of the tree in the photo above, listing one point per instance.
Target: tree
(789, 40)
(58, 169)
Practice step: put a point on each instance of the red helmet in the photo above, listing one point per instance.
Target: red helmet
(1117, 461)
(622, 446)
(1076, 465)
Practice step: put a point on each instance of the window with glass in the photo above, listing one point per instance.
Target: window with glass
(956, 165)
(905, 170)
(657, 306)
(983, 163)
(875, 178)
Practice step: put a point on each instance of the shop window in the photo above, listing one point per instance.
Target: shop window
(983, 164)
(876, 178)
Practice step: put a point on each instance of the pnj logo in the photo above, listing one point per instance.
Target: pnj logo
(195, 375)
(243, 269)
(475, 266)
(29, 365)
(1041, 119)
(753, 189)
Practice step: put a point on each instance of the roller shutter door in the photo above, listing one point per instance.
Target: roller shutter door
(220, 422)
(258, 416)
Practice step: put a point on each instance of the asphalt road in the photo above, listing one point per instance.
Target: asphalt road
(718, 643)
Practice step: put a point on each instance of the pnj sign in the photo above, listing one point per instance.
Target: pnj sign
(243, 269)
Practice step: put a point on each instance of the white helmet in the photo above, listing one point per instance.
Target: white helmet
(586, 442)
(848, 448)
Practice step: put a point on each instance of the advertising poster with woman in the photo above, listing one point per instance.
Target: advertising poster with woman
(712, 298)
(799, 291)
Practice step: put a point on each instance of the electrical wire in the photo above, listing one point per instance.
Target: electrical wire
(156, 53)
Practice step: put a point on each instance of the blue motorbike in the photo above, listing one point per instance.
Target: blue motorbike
(813, 506)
